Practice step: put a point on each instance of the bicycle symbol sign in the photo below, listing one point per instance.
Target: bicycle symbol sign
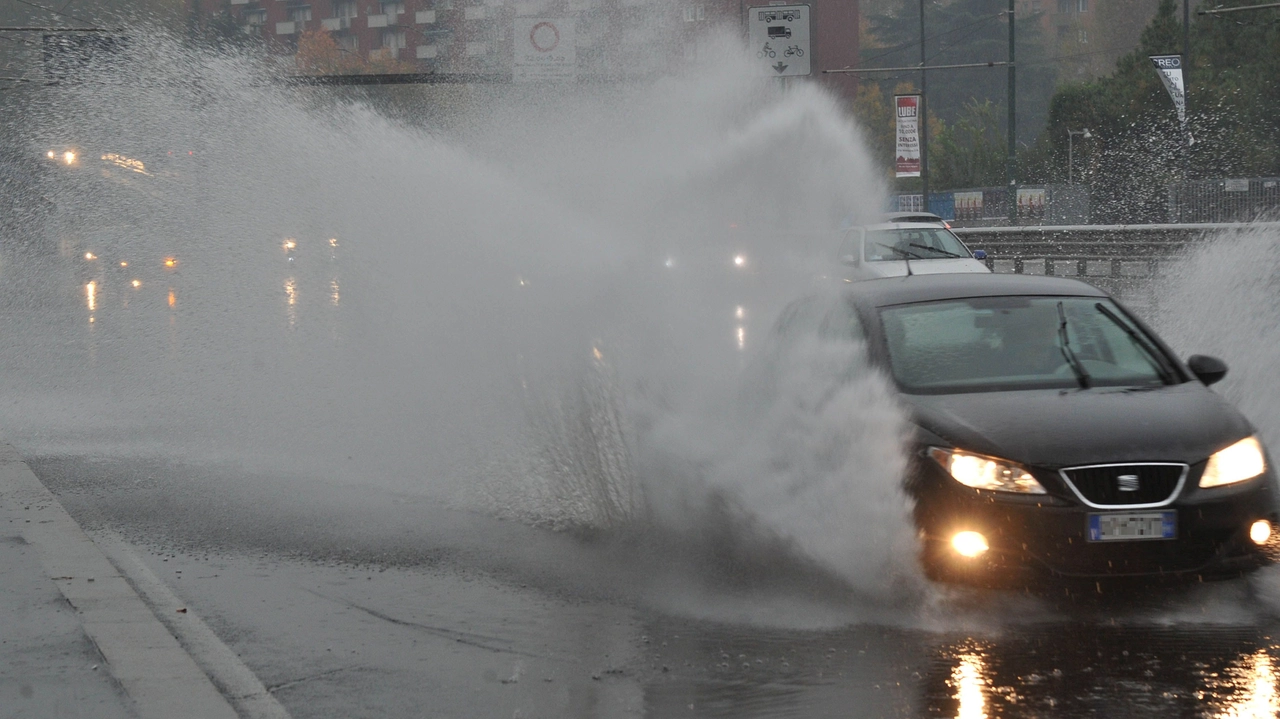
(780, 36)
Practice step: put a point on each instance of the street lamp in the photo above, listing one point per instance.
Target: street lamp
(1071, 135)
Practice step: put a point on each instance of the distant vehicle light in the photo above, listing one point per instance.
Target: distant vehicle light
(739, 260)
(136, 283)
(170, 262)
(90, 256)
(124, 264)
(290, 244)
(1260, 531)
(969, 544)
(50, 154)
(69, 157)
(333, 242)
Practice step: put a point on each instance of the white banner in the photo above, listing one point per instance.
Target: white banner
(544, 50)
(1169, 67)
(907, 108)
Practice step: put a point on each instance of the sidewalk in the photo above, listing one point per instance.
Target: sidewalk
(75, 638)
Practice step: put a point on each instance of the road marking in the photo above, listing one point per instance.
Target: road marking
(161, 678)
(237, 682)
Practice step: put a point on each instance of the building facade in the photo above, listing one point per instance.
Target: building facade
(611, 38)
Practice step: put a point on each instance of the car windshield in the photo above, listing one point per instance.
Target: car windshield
(1016, 342)
(914, 243)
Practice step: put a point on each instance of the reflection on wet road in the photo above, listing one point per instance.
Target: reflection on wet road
(353, 601)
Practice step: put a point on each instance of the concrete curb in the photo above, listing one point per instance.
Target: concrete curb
(161, 678)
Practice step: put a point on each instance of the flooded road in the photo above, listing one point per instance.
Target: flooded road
(355, 602)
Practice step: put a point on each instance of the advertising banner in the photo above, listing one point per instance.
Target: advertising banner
(908, 145)
(1169, 67)
(544, 50)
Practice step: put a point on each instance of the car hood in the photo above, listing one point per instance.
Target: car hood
(1057, 428)
(942, 265)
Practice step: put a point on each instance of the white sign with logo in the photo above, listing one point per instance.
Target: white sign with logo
(544, 50)
(779, 37)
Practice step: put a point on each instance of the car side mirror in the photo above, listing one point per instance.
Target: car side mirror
(979, 254)
(1207, 369)
(851, 260)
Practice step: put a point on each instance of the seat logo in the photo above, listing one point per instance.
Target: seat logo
(1127, 483)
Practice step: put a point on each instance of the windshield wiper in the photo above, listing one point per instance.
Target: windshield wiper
(900, 252)
(1064, 344)
(935, 249)
(1166, 376)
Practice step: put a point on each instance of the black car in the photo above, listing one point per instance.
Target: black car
(1056, 434)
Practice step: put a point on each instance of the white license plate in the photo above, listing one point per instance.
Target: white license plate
(1132, 526)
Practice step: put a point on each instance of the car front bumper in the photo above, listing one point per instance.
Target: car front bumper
(1046, 536)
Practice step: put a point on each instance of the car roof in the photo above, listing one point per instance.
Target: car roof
(899, 226)
(887, 291)
(918, 216)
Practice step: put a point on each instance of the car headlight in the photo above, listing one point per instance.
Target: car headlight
(1237, 463)
(982, 472)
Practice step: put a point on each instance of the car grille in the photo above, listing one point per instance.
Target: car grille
(1101, 484)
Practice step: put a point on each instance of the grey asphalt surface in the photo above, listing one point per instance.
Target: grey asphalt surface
(353, 602)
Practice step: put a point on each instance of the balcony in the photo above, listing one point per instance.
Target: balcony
(288, 28)
(334, 24)
(380, 20)
(427, 52)
(239, 2)
(425, 17)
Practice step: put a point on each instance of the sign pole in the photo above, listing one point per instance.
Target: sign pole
(922, 119)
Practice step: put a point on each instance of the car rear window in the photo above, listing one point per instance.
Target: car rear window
(1007, 343)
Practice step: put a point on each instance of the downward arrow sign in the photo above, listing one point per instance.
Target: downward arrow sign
(780, 67)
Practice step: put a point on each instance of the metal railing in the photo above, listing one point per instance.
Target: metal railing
(1129, 261)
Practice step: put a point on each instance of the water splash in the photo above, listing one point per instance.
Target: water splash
(487, 299)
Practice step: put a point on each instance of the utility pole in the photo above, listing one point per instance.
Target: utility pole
(923, 119)
(1011, 166)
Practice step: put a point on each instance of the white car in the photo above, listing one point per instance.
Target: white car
(896, 249)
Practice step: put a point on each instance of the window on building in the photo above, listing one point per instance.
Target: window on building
(1063, 31)
(1082, 5)
(694, 13)
(300, 13)
(345, 9)
(255, 18)
(1064, 6)
(1084, 36)
(393, 39)
(1035, 5)
(392, 8)
(349, 43)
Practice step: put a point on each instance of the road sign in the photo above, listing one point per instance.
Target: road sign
(544, 50)
(778, 36)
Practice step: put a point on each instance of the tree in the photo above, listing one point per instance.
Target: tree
(965, 31)
(1139, 148)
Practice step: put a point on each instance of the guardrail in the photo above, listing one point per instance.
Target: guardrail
(1110, 251)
